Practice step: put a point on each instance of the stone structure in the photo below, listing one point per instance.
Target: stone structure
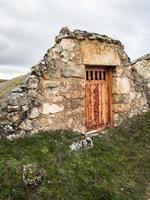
(53, 95)
(142, 65)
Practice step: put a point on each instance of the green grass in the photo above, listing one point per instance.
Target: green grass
(7, 86)
(117, 168)
(2, 80)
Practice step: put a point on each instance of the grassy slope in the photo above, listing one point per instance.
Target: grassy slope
(117, 168)
(2, 80)
(7, 86)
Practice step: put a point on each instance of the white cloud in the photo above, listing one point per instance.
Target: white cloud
(28, 27)
(10, 71)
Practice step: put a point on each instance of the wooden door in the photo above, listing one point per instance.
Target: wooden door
(98, 98)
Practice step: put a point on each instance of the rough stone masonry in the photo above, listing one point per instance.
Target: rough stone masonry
(53, 94)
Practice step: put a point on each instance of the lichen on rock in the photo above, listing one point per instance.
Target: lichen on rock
(32, 175)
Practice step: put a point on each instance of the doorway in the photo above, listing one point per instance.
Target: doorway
(98, 92)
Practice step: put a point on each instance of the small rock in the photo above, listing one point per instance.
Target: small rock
(45, 76)
(64, 30)
(26, 125)
(25, 108)
(32, 175)
(8, 128)
(64, 33)
(53, 108)
(35, 70)
(13, 117)
(17, 90)
(34, 113)
(12, 108)
(14, 99)
(76, 146)
(51, 84)
(16, 136)
(32, 82)
(87, 143)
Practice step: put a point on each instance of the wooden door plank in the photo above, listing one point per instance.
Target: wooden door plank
(92, 105)
(106, 103)
(104, 108)
(89, 75)
(109, 80)
(104, 91)
(102, 75)
(93, 75)
(97, 105)
(100, 111)
(87, 104)
(103, 105)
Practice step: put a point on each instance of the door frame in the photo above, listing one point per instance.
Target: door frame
(109, 81)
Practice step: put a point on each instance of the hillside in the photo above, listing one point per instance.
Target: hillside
(2, 80)
(116, 168)
(7, 86)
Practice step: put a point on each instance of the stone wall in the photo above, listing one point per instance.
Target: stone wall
(142, 66)
(53, 95)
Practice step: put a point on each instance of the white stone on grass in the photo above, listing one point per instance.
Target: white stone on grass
(87, 143)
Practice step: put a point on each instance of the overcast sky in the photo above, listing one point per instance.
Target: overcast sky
(28, 27)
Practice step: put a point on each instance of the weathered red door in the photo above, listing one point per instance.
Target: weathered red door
(98, 98)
